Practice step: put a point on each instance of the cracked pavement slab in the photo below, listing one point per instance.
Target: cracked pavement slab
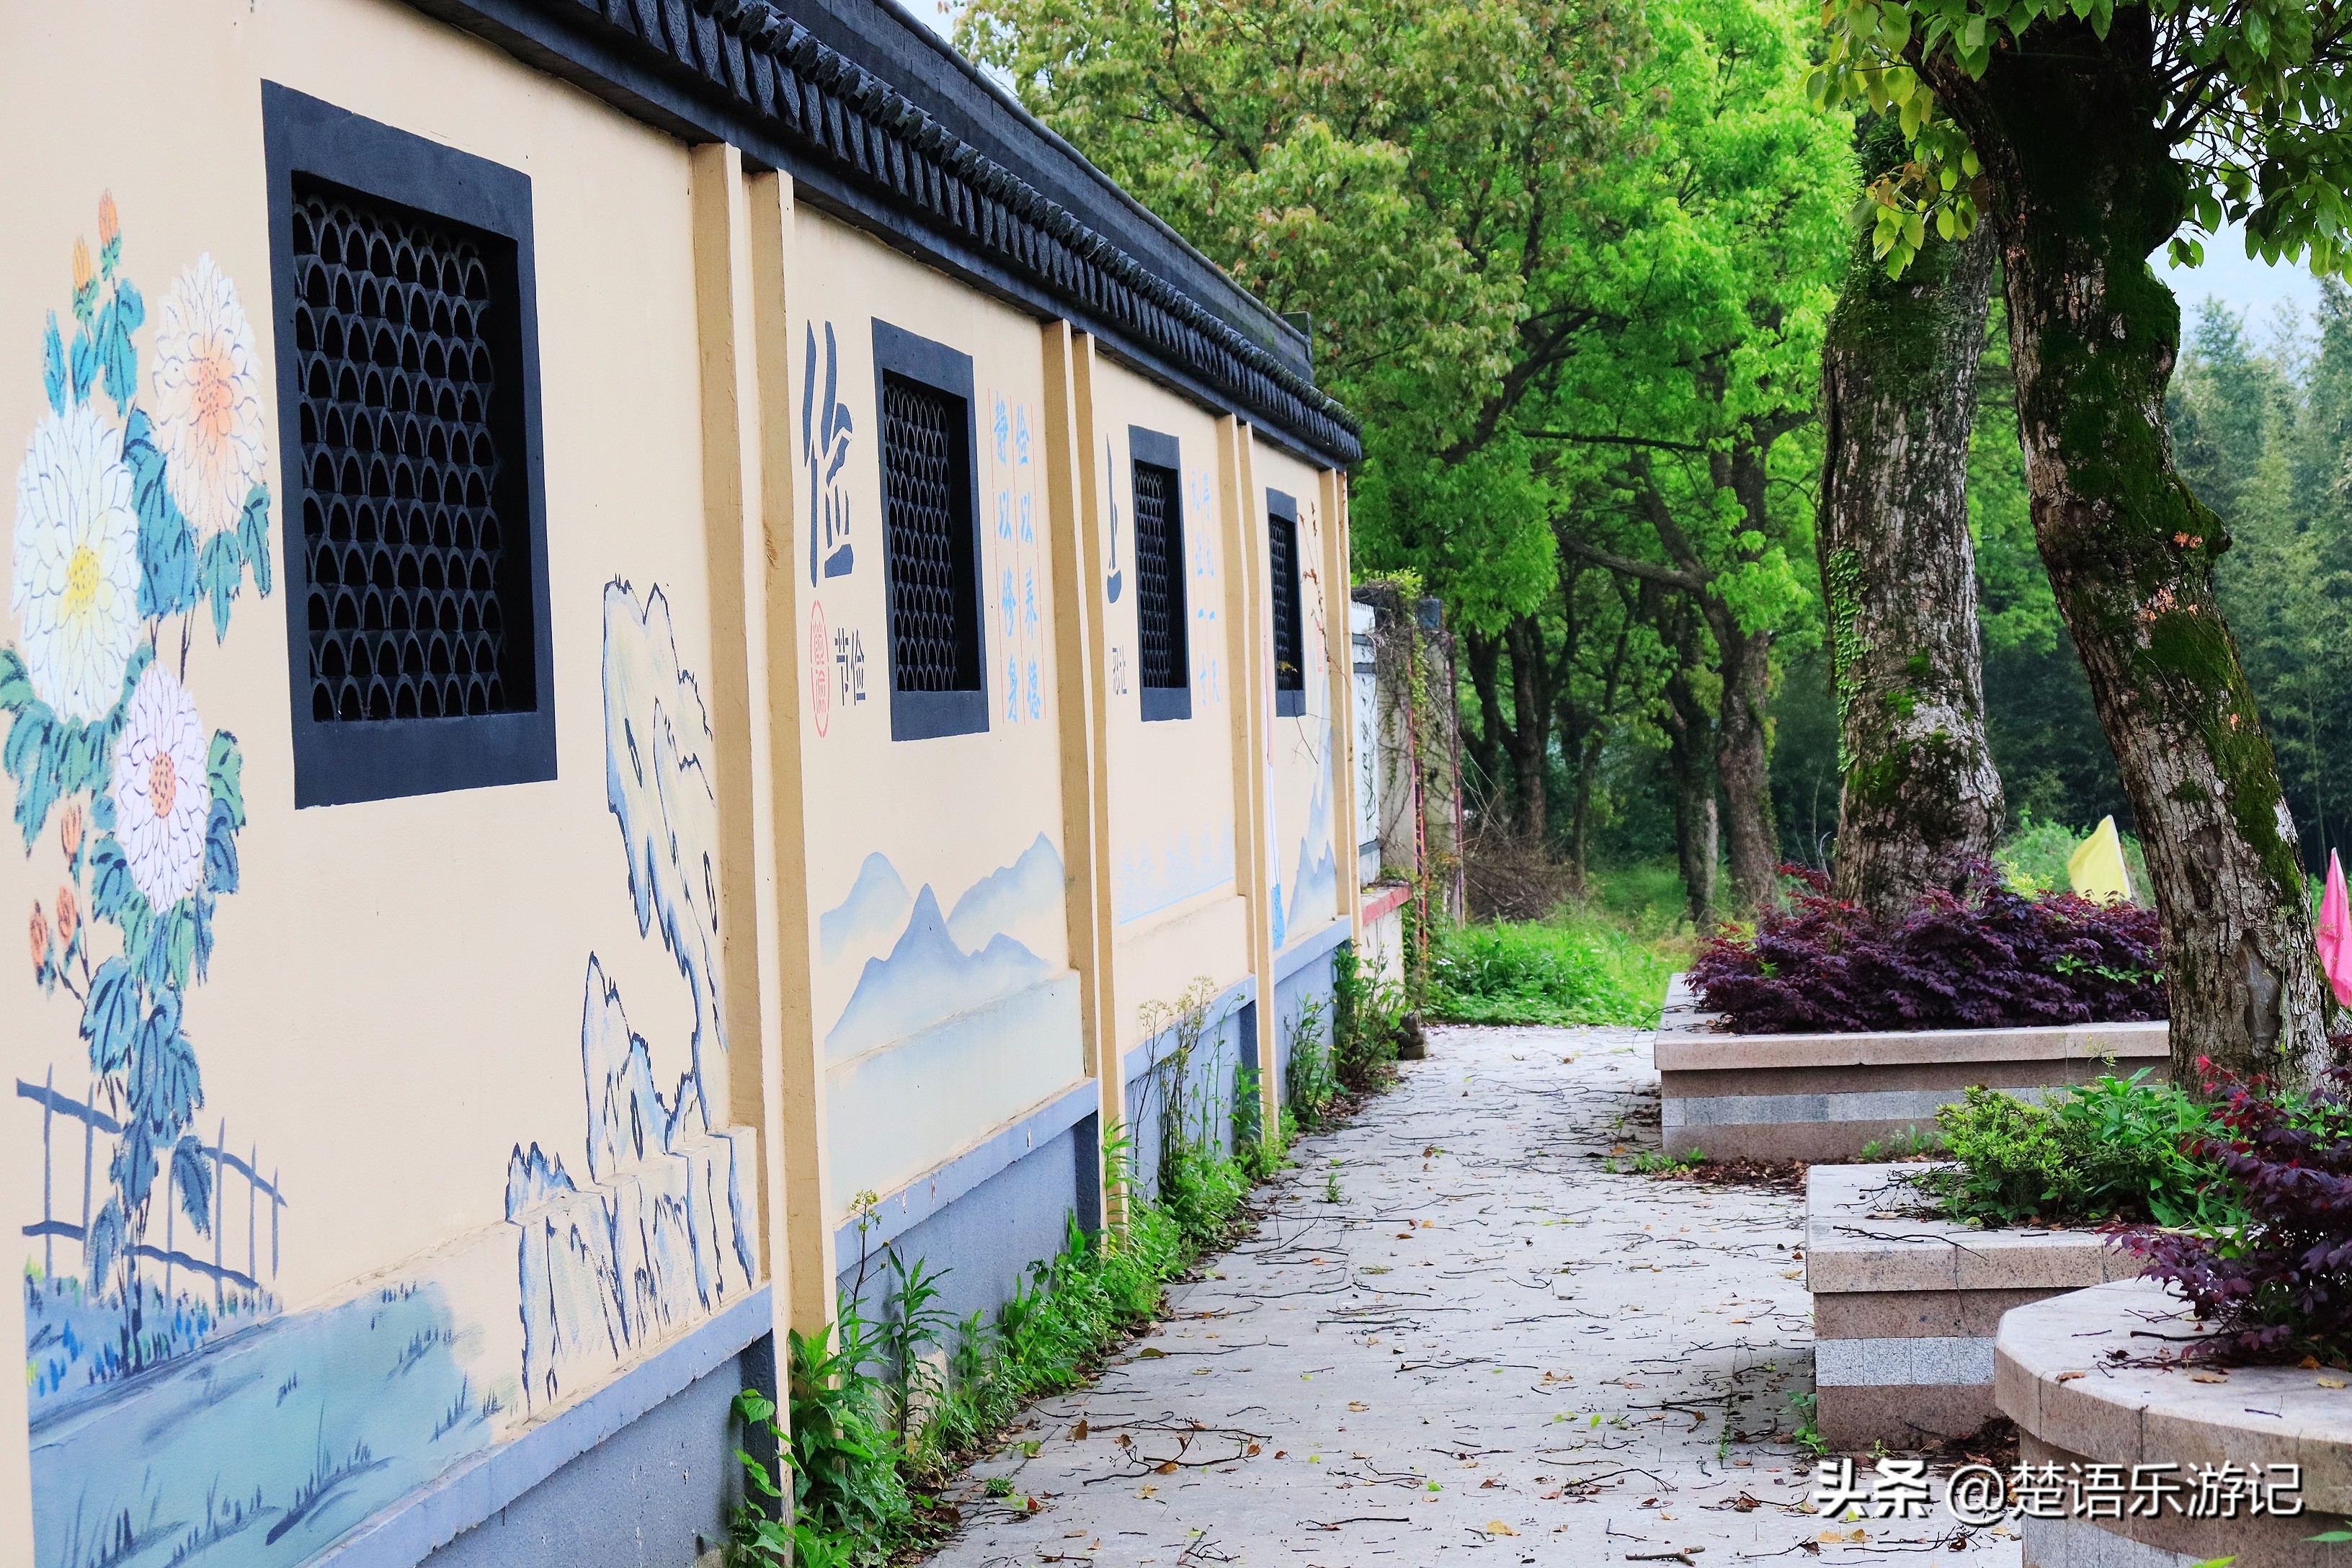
(1493, 1347)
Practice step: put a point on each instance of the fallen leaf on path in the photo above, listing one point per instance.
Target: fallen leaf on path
(1496, 1527)
(1357, 1406)
(1148, 1492)
(1151, 1353)
(2329, 1382)
(2201, 1377)
(2071, 1376)
(1166, 1467)
(1078, 1432)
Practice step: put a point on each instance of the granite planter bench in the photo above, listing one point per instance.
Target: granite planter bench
(1824, 1097)
(1905, 1310)
(2075, 1406)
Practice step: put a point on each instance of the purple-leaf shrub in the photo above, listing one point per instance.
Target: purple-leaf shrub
(1990, 958)
(2280, 1286)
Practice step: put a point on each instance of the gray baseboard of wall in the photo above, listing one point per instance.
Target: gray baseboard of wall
(655, 1494)
(980, 1244)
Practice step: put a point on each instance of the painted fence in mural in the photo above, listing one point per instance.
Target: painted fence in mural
(258, 1190)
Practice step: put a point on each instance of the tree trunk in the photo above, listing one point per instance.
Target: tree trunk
(1688, 761)
(1483, 650)
(1921, 799)
(1529, 740)
(2083, 187)
(1743, 760)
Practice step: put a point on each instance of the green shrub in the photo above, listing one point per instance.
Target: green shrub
(2116, 1148)
(1576, 969)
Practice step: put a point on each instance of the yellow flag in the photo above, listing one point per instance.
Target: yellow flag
(2097, 870)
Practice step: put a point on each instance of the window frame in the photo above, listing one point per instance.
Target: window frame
(929, 715)
(343, 763)
(1152, 449)
(1289, 700)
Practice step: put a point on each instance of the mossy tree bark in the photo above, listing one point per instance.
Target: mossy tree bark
(2081, 188)
(1921, 798)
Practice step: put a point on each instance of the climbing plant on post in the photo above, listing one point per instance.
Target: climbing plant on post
(2089, 133)
(1922, 799)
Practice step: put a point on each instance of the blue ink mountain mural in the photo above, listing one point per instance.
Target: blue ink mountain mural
(965, 1019)
(877, 902)
(1181, 865)
(926, 978)
(1315, 883)
(987, 948)
(656, 731)
(1025, 900)
(656, 1239)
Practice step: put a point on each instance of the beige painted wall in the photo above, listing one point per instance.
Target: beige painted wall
(395, 999)
(1308, 866)
(413, 962)
(929, 1050)
(1173, 841)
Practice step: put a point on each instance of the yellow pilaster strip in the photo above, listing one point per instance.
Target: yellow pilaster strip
(1248, 660)
(1081, 658)
(799, 1229)
(735, 685)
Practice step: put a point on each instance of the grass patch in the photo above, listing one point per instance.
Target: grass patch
(1589, 966)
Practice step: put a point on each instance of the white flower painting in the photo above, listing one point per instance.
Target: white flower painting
(76, 586)
(207, 409)
(160, 790)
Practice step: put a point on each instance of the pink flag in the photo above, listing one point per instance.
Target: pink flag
(2335, 932)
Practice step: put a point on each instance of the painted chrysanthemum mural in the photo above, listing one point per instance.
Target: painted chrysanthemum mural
(76, 568)
(207, 413)
(142, 510)
(160, 793)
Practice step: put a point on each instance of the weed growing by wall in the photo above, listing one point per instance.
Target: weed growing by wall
(1368, 1012)
(877, 1421)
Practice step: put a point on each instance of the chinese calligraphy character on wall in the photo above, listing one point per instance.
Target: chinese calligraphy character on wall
(825, 447)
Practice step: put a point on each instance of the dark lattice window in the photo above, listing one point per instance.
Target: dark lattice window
(1159, 578)
(406, 516)
(404, 301)
(1289, 644)
(927, 513)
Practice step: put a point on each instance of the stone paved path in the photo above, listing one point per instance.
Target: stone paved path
(1488, 1349)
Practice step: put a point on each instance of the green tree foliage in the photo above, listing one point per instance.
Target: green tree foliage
(2250, 97)
(1686, 451)
(1399, 171)
(1568, 259)
(2263, 434)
